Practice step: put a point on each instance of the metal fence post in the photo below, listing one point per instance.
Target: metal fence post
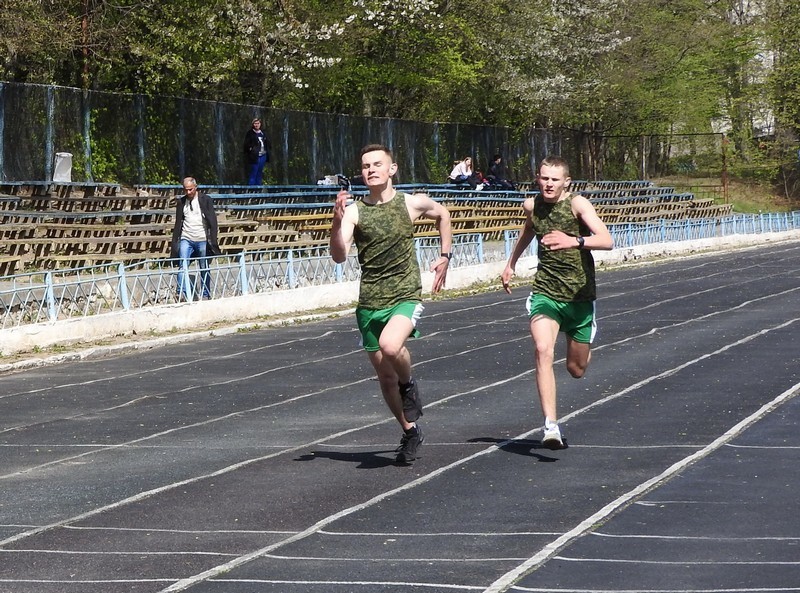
(2, 130)
(245, 286)
(49, 151)
(290, 270)
(219, 135)
(141, 153)
(186, 284)
(122, 288)
(86, 114)
(50, 297)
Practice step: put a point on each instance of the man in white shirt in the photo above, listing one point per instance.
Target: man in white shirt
(194, 236)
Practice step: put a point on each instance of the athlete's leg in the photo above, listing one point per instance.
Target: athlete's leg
(578, 356)
(544, 332)
(393, 345)
(580, 335)
(392, 363)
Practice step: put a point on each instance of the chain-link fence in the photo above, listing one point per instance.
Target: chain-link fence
(136, 139)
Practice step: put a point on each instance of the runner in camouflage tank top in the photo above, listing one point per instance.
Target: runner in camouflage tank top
(382, 226)
(566, 227)
(563, 274)
(385, 241)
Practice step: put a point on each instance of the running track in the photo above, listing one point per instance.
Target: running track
(262, 461)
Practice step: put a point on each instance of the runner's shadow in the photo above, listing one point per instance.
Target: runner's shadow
(364, 459)
(527, 447)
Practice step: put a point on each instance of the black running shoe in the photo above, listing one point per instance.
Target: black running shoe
(409, 446)
(412, 404)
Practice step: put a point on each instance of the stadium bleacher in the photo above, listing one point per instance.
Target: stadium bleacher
(45, 225)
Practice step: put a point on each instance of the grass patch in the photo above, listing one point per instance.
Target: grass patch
(747, 197)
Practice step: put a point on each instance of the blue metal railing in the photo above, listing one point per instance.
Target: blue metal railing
(56, 295)
(663, 231)
(39, 297)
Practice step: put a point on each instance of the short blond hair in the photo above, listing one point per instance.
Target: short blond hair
(555, 161)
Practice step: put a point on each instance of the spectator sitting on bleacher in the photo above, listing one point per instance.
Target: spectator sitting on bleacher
(498, 174)
(462, 173)
(194, 235)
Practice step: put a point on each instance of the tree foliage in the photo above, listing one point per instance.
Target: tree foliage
(616, 66)
(783, 30)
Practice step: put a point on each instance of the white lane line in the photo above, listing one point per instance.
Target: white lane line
(726, 590)
(115, 553)
(247, 412)
(81, 581)
(681, 562)
(766, 447)
(172, 366)
(694, 537)
(413, 586)
(426, 559)
(437, 534)
(149, 493)
(507, 580)
(182, 531)
(548, 550)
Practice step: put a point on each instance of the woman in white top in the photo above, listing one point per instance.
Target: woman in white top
(462, 171)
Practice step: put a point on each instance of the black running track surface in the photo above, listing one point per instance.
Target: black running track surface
(262, 461)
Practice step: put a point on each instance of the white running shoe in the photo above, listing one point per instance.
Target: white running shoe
(552, 436)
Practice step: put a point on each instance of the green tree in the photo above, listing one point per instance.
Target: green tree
(398, 59)
(37, 39)
(546, 55)
(783, 30)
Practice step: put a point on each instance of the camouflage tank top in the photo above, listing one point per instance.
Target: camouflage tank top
(384, 237)
(564, 274)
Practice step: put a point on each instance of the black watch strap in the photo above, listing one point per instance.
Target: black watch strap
(580, 242)
(449, 256)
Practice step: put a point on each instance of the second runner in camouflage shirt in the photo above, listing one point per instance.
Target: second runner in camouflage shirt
(565, 275)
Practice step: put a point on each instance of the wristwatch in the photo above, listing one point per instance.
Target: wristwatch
(449, 256)
(580, 242)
